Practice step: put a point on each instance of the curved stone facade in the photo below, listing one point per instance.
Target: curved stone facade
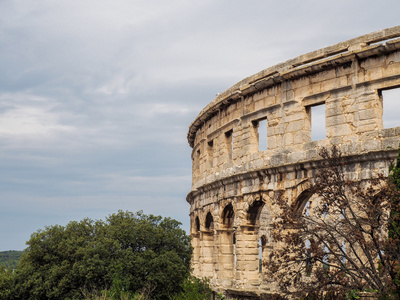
(234, 182)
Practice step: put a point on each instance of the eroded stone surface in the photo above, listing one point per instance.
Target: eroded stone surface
(233, 182)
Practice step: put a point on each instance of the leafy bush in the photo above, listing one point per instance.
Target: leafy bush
(194, 289)
(123, 255)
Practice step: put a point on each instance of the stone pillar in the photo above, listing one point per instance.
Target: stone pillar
(247, 270)
(196, 254)
(225, 272)
(207, 260)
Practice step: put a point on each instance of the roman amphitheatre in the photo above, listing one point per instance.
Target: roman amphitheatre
(256, 138)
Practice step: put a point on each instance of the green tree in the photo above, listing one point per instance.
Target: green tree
(126, 252)
(6, 283)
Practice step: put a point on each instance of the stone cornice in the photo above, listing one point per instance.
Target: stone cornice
(286, 168)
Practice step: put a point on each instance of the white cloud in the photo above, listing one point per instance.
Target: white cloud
(30, 117)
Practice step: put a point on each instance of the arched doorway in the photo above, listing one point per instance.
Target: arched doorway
(226, 251)
(249, 259)
(207, 247)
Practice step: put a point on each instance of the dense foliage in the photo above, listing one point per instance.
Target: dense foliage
(10, 258)
(339, 243)
(126, 253)
(6, 283)
(194, 289)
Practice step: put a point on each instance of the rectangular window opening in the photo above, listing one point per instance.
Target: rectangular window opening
(261, 127)
(318, 131)
(391, 107)
(210, 152)
(229, 142)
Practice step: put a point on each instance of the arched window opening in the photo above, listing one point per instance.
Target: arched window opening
(226, 244)
(254, 211)
(209, 221)
(302, 205)
(197, 221)
(228, 215)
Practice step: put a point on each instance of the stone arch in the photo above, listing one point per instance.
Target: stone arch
(250, 199)
(248, 261)
(197, 224)
(253, 212)
(226, 243)
(207, 264)
(265, 240)
(301, 201)
(227, 216)
(209, 221)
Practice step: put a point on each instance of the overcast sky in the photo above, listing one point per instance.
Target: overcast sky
(96, 96)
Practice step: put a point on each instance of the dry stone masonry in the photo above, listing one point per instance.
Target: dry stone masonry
(234, 179)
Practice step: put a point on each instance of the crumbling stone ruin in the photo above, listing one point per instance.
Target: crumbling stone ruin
(234, 180)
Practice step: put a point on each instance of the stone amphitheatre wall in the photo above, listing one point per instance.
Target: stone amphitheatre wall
(234, 182)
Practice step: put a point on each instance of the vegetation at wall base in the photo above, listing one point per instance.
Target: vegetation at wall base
(125, 256)
(194, 289)
(350, 240)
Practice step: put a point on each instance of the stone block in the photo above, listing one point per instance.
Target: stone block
(330, 84)
(367, 114)
(391, 143)
(371, 145)
(295, 126)
(278, 159)
(297, 156)
(335, 120)
(312, 154)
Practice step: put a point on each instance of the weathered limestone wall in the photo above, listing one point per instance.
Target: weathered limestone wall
(234, 182)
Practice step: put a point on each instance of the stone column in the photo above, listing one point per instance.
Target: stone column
(207, 254)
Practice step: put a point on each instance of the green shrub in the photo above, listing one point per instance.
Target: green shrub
(194, 289)
(120, 256)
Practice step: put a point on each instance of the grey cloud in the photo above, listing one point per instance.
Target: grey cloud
(96, 96)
